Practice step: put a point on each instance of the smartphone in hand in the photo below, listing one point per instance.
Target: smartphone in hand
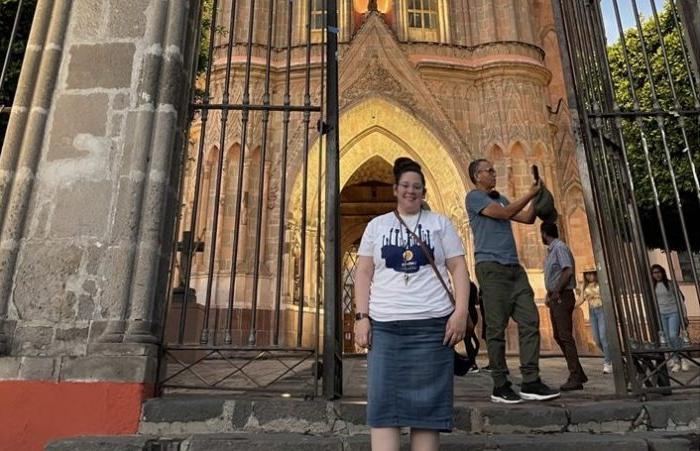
(535, 173)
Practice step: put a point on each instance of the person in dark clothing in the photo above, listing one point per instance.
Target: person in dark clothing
(471, 341)
(559, 270)
(504, 283)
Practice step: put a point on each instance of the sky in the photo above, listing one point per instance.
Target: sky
(626, 14)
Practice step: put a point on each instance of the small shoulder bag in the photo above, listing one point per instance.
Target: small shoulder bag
(462, 363)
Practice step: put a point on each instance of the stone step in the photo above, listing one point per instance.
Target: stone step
(570, 441)
(187, 415)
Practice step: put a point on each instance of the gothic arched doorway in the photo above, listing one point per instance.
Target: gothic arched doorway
(367, 194)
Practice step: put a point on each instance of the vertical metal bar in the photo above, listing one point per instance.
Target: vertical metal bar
(198, 174)
(633, 232)
(283, 177)
(304, 175)
(6, 63)
(241, 157)
(679, 206)
(635, 101)
(261, 175)
(690, 16)
(676, 103)
(332, 338)
(219, 177)
(591, 196)
(319, 211)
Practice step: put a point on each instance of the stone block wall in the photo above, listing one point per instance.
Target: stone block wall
(88, 177)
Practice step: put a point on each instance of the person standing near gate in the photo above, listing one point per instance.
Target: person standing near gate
(504, 284)
(591, 294)
(559, 280)
(406, 318)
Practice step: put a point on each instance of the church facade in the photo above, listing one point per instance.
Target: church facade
(442, 82)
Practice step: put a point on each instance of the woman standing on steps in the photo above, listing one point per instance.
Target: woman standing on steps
(405, 316)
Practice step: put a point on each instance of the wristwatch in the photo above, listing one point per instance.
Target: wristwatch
(360, 315)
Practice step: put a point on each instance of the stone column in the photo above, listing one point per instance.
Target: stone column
(88, 180)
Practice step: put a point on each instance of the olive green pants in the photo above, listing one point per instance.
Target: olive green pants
(506, 294)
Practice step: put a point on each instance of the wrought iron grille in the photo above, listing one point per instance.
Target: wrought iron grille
(258, 227)
(635, 89)
(15, 23)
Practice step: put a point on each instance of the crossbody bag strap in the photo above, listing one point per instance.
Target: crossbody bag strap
(428, 256)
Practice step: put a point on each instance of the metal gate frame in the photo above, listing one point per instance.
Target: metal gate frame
(238, 357)
(640, 349)
(6, 55)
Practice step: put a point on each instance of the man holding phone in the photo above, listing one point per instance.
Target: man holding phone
(503, 281)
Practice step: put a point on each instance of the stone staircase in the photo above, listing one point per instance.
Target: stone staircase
(212, 423)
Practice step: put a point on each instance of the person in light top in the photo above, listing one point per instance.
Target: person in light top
(406, 318)
(671, 314)
(591, 294)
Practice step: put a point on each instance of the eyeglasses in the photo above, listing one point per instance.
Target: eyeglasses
(489, 170)
(416, 186)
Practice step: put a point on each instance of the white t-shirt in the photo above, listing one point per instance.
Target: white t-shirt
(404, 286)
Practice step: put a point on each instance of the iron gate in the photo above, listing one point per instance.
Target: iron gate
(636, 97)
(15, 22)
(258, 228)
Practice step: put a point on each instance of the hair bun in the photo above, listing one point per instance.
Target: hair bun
(403, 163)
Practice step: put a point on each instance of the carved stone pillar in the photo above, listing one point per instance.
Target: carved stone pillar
(88, 178)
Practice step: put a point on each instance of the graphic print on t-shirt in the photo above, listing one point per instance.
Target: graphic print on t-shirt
(402, 253)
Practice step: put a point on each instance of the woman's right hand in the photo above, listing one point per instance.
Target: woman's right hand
(363, 333)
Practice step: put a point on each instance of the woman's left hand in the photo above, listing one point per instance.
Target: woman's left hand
(456, 328)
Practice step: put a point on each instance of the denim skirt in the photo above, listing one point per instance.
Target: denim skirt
(410, 375)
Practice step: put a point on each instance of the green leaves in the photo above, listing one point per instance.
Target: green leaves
(648, 82)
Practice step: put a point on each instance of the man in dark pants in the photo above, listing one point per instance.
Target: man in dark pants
(504, 283)
(559, 270)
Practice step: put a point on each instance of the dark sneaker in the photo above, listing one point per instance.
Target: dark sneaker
(505, 395)
(571, 385)
(474, 369)
(537, 391)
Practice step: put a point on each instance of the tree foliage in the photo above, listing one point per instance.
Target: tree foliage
(8, 9)
(635, 90)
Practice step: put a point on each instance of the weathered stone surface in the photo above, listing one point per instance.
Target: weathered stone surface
(239, 412)
(126, 349)
(38, 368)
(92, 110)
(32, 340)
(121, 101)
(127, 18)
(128, 443)
(519, 419)
(611, 416)
(42, 272)
(182, 409)
(674, 414)
(463, 418)
(101, 65)
(605, 411)
(264, 442)
(116, 369)
(9, 367)
(672, 444)
(87, 19)
(355, 413)
(70, 218)
(288, 415)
